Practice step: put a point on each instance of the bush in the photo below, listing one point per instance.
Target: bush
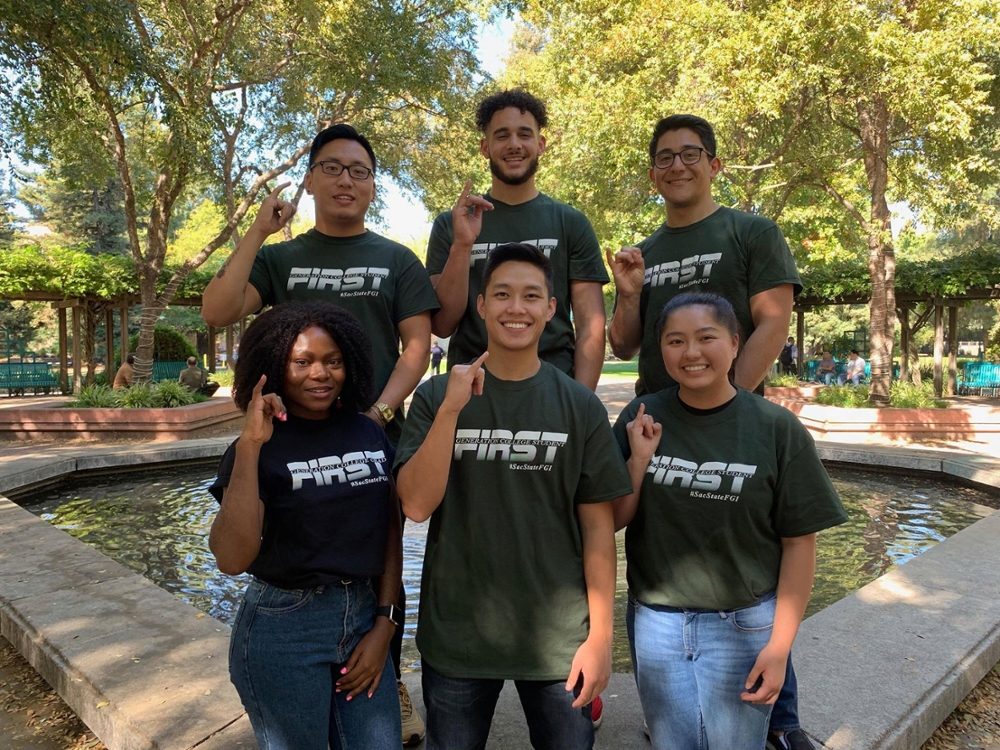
(139, 396)
(848, 396)
(222, 377)
(169, 394)
(96, 397)
(168, 345)
(909, 396)
(785, 380)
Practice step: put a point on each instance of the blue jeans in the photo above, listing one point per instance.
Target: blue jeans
(785, 714)
(286, 652)
(691, 666)
(460, 712)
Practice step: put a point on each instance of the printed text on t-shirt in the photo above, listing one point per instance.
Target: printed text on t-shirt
(704, 480)
(685, 273)
(520, 450)
(481, 249)
(349, 282)
(353, 467)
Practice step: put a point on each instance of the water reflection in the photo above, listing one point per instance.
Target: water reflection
(157, 524)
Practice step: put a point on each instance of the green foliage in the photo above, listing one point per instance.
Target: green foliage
(96, 397)
(223, 377)
(783, 380)
(138, 396)
(168, 345)
(849, 396)
(909, 396)
(169, 394)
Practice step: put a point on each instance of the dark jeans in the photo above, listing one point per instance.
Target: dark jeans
(460, 712)
(785, 715)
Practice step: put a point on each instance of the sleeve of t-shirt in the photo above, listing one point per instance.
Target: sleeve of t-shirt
(224, 473)
(439, 244)
(585, 260)
(414, 292)
(621, 428)
(419, 419)
(807, 501)
(604, 475)
(261, 276)
(770, 261)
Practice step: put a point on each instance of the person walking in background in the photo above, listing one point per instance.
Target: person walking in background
(436, 355)
(788, 357)
(728, 494)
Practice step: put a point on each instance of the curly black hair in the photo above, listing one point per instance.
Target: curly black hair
(518, 98)
(267, 343)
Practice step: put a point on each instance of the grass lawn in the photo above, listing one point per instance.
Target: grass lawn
(621, 369)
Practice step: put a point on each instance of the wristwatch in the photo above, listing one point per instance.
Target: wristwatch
(384, 411)
(394, 613)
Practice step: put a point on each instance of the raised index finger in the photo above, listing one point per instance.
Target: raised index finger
(479, 362)
(277, 191)
(259, 388)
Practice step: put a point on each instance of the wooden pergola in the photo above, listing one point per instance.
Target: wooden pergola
(906, 303)
(72, 324)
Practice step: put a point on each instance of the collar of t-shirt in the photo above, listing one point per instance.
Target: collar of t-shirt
(706, 412)
(515, 206)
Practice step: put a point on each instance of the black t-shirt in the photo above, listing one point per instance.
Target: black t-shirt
(327, 498)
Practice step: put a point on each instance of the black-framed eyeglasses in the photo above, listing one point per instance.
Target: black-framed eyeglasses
(690, 155)
(335, 169)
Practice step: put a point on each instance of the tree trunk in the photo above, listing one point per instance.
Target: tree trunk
(873, 119)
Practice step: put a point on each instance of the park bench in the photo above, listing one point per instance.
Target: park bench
(19, 377)
(167, 370)
(980, 379)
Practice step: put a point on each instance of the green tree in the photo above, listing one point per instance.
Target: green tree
(220, 97)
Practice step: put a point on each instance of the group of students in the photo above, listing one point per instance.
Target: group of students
(511, 457)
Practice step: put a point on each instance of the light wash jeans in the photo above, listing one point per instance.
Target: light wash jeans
(460, 712)
(286, 652)
(691, 666)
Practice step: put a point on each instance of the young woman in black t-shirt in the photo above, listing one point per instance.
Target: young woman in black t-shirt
(309, 510)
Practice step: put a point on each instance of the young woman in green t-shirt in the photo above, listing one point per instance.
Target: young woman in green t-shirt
(721, 546)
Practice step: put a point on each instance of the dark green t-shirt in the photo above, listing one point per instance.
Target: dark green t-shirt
(377, 280)
(568, 241)
(718, 496)
(503, 594)
(730, 253)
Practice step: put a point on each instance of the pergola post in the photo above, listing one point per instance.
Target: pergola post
(63, 345)
(938, 349)
(904, 343)
(952, 350)
(77, 379)
(109, 344)
(211, 349)
(800, 334)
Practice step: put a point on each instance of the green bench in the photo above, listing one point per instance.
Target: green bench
(167, 370)
(980, 379)
(17, 378)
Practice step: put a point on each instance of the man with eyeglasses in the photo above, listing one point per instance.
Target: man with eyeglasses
(379, 281)
(511, 123)
(705, 247)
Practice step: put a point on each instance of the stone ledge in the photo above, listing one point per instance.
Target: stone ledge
(94, 424)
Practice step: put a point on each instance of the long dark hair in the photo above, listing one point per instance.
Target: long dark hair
(267, 343)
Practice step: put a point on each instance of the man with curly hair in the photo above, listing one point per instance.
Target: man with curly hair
(380, 281)
(515, 211)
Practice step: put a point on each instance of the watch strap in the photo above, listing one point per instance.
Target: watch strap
(391, 611)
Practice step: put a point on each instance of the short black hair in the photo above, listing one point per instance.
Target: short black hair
(699, 125)
(721, 309)
(855, 351)
(521, 252)
(339, 132)
(130, 359)
(518, 98)
(267, 343)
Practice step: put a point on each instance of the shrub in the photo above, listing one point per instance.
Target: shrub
(96, 397)
(169, 394)
(848, 396)
(139, 396)
(222, 377)
(784, 380)
(168, 345)
(906, 395)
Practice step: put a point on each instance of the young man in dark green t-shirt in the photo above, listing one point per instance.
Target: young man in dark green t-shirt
(705, 247)
(381, 282)
(516, 467)
(514, 211)
(701, 247)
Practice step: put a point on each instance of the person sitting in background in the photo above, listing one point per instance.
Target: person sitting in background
(195, 380)
(855, 368)
(123, 378)
(826, 370)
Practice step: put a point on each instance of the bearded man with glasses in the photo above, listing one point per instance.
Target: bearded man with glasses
(339, 260)
(705, 247)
